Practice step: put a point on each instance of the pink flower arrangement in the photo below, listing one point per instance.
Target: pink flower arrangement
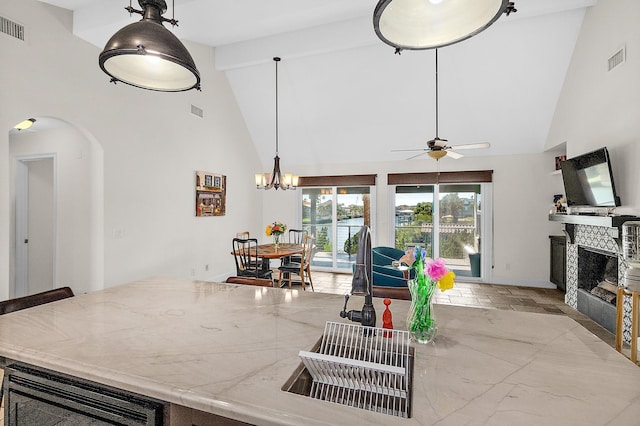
(436, 269)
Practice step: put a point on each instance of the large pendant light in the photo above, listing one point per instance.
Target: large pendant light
(276, 179)
(147, 55)
(427, 24)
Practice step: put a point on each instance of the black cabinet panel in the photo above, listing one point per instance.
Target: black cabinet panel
(558, 260)
(36, 396)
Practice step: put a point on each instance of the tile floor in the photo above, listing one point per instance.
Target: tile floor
(492, 296)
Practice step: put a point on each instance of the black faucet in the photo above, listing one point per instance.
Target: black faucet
(362, 283)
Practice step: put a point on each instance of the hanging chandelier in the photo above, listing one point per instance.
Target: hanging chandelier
(428, 24)
(276, 179)
(147, 55)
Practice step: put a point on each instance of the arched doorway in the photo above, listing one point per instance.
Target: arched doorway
(58, 237)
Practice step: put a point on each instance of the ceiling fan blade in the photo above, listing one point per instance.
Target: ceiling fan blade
(417, 155)
(472, 146)
(454, 155)
(405, 150)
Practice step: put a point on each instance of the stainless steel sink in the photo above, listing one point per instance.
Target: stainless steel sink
(364, 367)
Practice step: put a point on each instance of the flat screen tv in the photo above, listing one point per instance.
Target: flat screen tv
(588, 180)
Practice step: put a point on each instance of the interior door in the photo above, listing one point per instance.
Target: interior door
(35, 226)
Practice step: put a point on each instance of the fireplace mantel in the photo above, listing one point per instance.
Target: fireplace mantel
(612, 223)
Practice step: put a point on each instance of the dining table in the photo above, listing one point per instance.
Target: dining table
(269, 251)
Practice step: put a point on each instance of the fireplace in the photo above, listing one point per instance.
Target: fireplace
(595, 237)
(598, 273)
(593, 263)
(597, 279)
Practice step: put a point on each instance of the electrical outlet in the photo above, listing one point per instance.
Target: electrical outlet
(507, 266)
(193, 272)
(206, 267)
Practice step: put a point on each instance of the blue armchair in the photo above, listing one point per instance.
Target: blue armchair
(386, 276)
(388, 281)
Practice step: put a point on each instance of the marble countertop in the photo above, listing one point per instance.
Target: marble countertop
(228, 349)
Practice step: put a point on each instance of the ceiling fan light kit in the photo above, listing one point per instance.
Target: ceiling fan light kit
(147, 55)
(428, 24)
(437, 154)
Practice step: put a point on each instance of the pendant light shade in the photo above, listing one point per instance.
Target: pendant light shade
(147, 55)
(428, 24)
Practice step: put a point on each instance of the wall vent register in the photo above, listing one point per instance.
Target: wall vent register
(11, 28)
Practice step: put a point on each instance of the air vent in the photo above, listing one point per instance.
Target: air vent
(618, 58)
(11, 28)
(196, 111)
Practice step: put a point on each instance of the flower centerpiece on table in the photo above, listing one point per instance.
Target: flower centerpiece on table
(429, 274)
(276, 229)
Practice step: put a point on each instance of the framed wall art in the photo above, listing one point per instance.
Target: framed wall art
(211, 194)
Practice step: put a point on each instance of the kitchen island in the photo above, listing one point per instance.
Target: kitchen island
(227, 349)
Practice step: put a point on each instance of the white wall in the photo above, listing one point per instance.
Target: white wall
(152, 146)
(599, 107)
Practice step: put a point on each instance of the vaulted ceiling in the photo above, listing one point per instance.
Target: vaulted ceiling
(344, 96)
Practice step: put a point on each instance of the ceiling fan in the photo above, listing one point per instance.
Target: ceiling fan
(437, 147)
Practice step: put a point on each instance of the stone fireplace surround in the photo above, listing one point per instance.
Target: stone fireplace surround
(601, 239)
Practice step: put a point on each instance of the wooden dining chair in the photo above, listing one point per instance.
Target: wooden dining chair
(296, 236)
(30, 301)
(245, 235)
(303, 268)
(25, 302)
(248, 264)
(260, 282)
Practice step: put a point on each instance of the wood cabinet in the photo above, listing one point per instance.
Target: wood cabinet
(558, 261)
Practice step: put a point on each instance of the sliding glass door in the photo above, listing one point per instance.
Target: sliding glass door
(334, 215)
(450, 228)
(459, 227)
(414, 217)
